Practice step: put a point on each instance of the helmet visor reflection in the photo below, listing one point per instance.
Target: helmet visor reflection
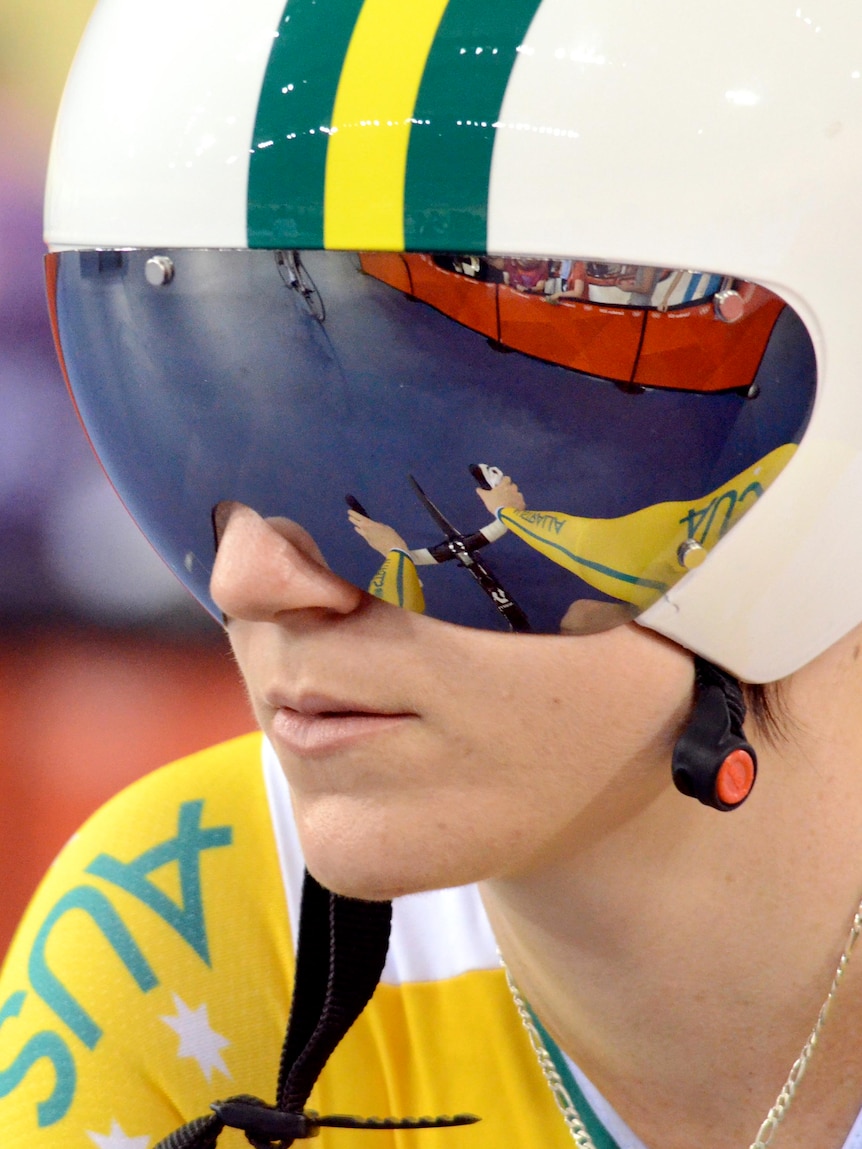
(511, 443)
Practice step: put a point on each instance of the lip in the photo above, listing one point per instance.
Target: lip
(317, 725)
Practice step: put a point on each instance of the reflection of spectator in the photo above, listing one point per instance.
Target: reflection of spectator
(573, 281)
(685, 287)
(469, 265)
(480, 268)
(641, 283)
(631, 285)
(494, 269)
(528, 275)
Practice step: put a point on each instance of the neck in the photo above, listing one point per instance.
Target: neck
(681, 960)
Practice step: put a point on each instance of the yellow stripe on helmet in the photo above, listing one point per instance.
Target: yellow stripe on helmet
(367, 155)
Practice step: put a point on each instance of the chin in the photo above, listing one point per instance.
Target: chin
(342, 877)
(360, 866)
(376, 852)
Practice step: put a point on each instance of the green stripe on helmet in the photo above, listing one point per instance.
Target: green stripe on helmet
(288, 153)
(452, 139)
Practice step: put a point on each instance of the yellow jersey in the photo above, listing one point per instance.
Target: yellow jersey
(152, 975)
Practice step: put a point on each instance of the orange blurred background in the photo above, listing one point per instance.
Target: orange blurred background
(107, 670)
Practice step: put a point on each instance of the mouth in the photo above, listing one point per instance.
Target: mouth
(315, 726)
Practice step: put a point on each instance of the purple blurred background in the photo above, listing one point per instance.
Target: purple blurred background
(107, 668)
(67, 549)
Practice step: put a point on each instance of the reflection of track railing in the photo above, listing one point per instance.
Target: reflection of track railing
(684, 348)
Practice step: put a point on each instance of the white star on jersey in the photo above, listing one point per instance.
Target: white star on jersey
(197, 1038)
(117, 1139)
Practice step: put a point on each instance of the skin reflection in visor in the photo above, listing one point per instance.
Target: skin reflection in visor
(512, 443)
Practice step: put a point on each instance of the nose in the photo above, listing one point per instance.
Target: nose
(265, 567)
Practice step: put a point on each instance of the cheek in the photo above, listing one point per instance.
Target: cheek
(580, 741)
(526, 751)
(588, 703)
(519, 763)
(632, 706)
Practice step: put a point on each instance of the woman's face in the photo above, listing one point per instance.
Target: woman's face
(422, 754)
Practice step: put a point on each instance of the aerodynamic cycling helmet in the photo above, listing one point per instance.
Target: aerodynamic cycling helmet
(562, 292)
(539, 315)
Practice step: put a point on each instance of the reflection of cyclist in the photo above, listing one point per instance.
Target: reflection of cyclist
(396, 580)
(635, 558)
(383, 538)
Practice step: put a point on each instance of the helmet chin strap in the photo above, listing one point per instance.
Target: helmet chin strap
(712, 760)
(340, 957)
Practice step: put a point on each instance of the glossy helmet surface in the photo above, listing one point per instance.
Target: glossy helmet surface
(671, 136)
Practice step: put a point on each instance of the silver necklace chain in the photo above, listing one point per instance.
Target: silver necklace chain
(782, 1103)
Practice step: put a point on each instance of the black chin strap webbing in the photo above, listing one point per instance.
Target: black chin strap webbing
(342, 949)
(341, 952)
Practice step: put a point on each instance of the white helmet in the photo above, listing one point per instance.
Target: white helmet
(653, 209)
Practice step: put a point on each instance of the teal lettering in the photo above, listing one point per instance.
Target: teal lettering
(544, 521)
(45, 1044)
(752, 489)
(49, 987)
(730, 498)
(699, 522)
(185, 849)
(694, 520)
(12, 1006)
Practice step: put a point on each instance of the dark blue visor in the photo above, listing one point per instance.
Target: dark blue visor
(530, 444)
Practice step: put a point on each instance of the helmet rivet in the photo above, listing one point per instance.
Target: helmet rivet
(159, 270)
(690, 554)
(729, 305)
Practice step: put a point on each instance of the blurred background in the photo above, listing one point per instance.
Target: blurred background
(107, 668)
